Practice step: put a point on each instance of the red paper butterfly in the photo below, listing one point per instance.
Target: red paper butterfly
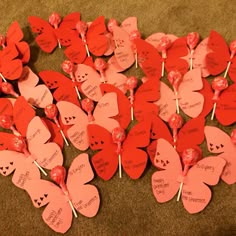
(217, 60)
(84, 197)
(133, 159)
(48, 37)
(14, 37)
(219, 142)
(196, 195)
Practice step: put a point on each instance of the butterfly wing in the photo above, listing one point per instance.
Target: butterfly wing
(124, 115)
(149, 59)
(105, 110)
(96, 39)
(39, 95)
(191, 134)
(145, 97)
(134, 160)
(71, 114)
(216, 60)
(219, 142)
(164, 182)
(195, 194)
(6, 141)
(105, 162)
(63, 87)
(46, 38)
(85, 197)
(190, 100)
(25, 170)
(48, 155)
(90, 81)
(155, 38)
(226, 105)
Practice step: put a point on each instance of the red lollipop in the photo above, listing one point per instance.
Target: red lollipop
(69, 68)
(192, 41)
(131, 84)
(51, 112)
(175, 78)
(101, 66)
(54, 20)
(6, 122)
(7, 88)
(135, 35)
(58, 175)
(88, 106)
(218, 84)
(175, 122)
(163, 44)
(21, 146)
(118, 136)
(81, 28)
(190, 157)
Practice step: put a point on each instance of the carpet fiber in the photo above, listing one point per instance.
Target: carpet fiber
(127, 207)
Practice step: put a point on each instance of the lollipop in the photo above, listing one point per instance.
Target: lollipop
(81, 28)
(175, 78)
(101, 66)
(175, 122)
(7, 88)
(21, 146)
(58, 175)
(69, 68)
(135, 35)
(118, 136)
(54, 20)
(88, 106)
(6, 122)
(218, 84)
(192, 40)
(131, 84)
(190, 157)
(51, 112)
(163, 45)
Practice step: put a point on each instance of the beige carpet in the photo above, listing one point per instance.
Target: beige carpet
(127, 207)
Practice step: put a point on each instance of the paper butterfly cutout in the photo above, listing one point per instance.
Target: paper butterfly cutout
(96, 40)
(47, 155)
(84, 197)
(149, 59)
(124, 52)
(219, 142)
(36, 94)
(190, 101)
(218, 58)
(189, 136)
(196, 195)
(6, 141)
(10, 65)
(133, 158)
(144, 98)
(14, 36)
(74, 116)
(48, 37)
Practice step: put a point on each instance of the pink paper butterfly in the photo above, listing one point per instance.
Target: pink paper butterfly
(84, 197)
(219, 142)
(47, 155)
(195, 194)
(74, 116)
(36, 94)
(91, 80)
(190, 101)
(124, 54)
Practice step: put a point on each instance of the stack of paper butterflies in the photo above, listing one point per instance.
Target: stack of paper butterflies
(90, 103)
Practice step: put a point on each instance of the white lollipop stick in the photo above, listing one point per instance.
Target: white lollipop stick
(73, 209)
(136, 60)
(87, 50)
(132, 113)
(213, 111)
(77, 92)
(180, 191)
(40, 168)
(64, 137)
(3, 78)
(59, 44)
(162, 68)
(120, 170)
(227, 69)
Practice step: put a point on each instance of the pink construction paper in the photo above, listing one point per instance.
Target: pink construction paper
(103, 114)
(38, 95)
(190, 101)
(195, 193)
(85, 197)
(219, 142)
